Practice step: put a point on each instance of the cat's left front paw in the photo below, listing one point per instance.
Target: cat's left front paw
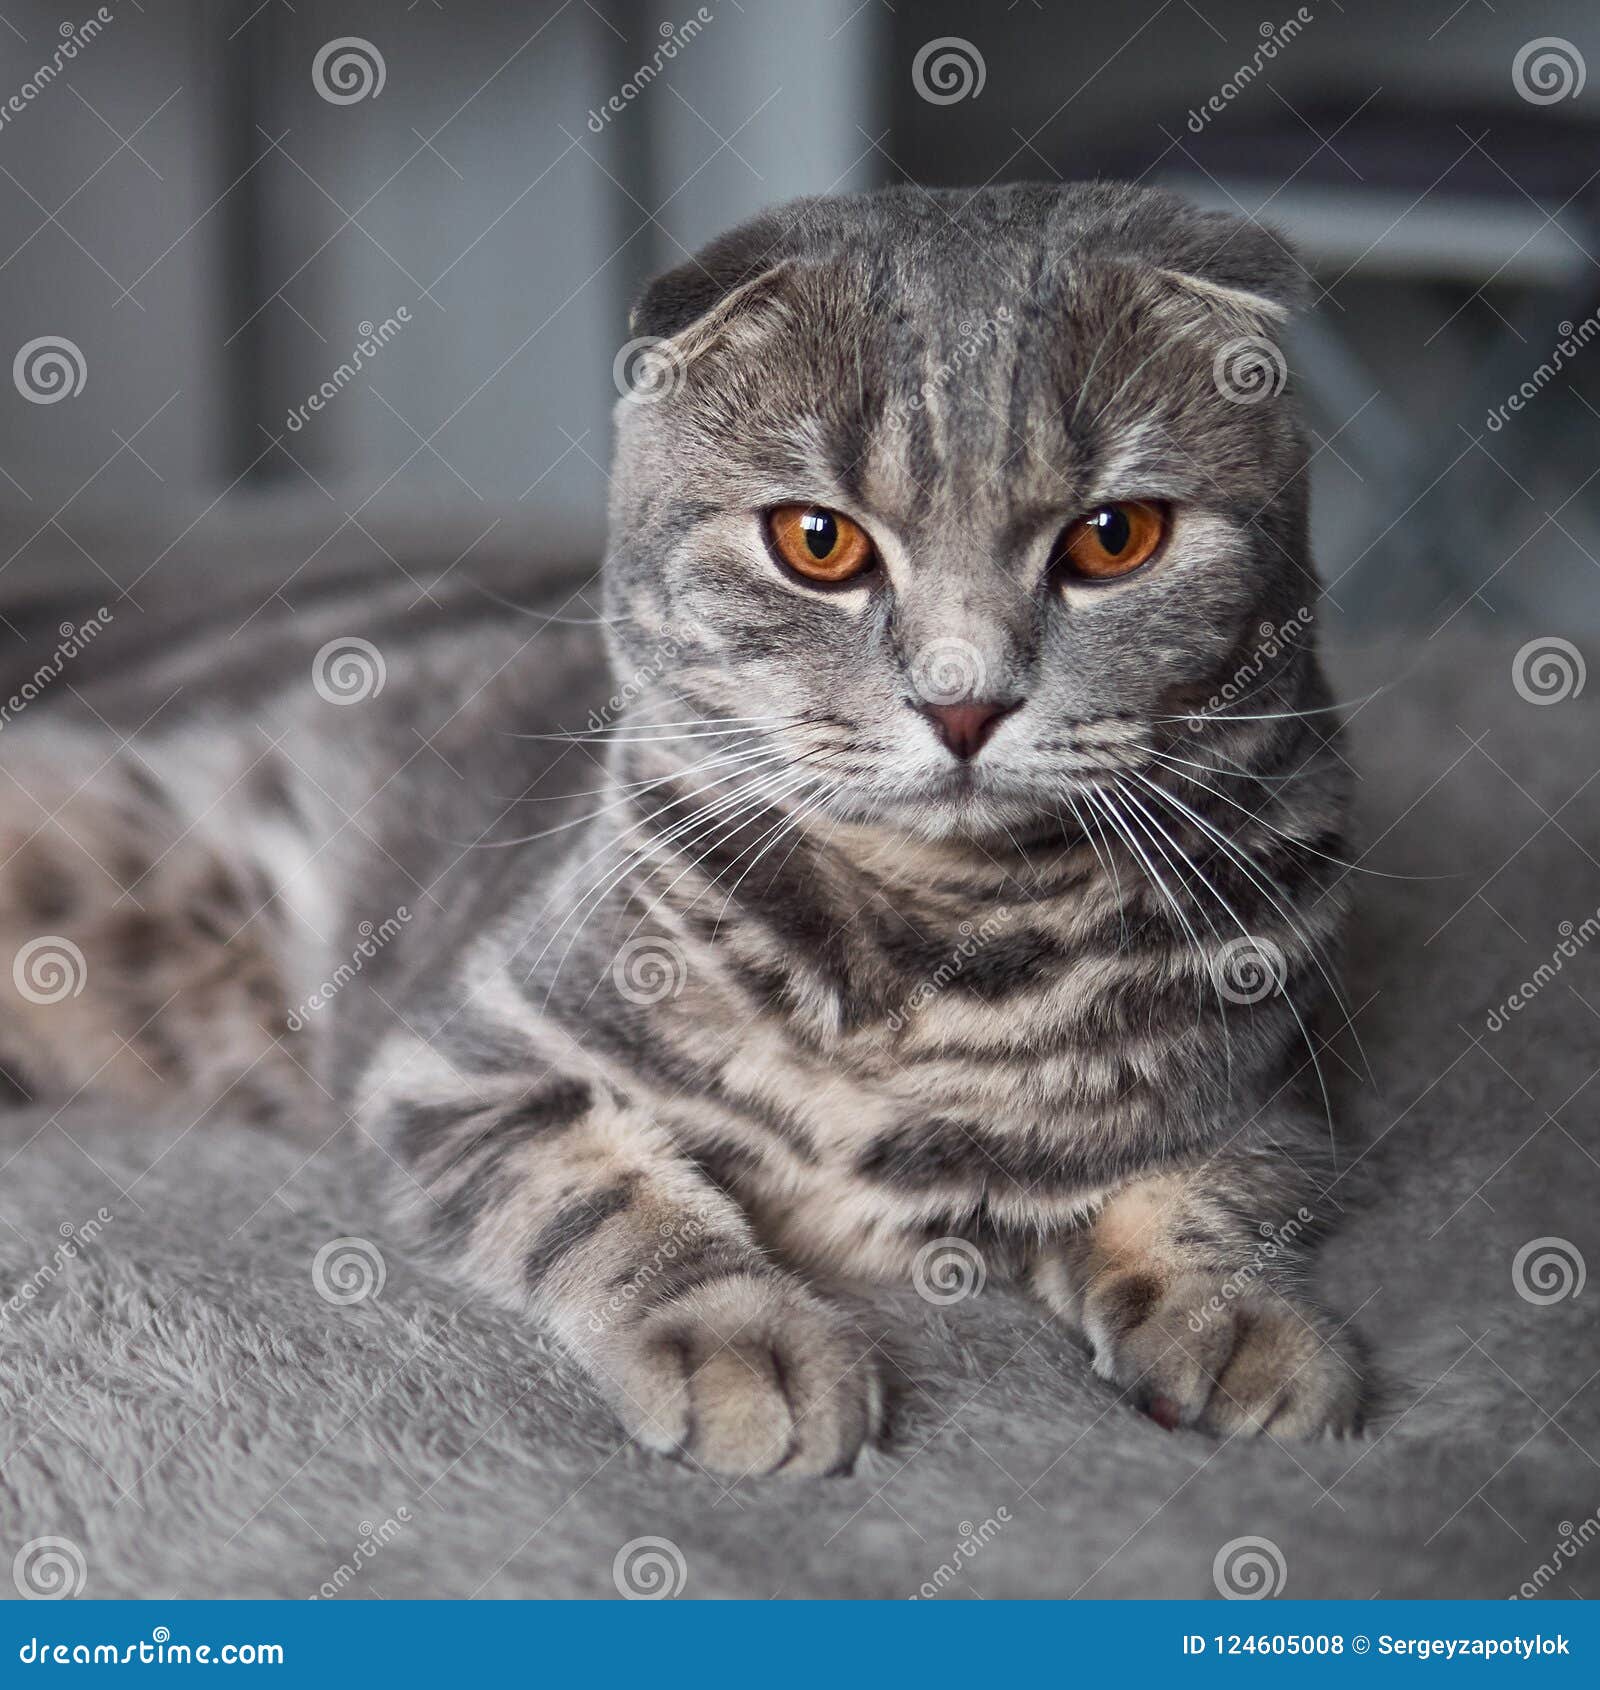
(1196, 1355)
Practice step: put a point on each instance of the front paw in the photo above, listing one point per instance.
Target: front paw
(1194, 1356)
(752, 1374)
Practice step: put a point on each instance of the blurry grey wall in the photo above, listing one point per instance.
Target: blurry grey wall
(216, 219)
(214, 205)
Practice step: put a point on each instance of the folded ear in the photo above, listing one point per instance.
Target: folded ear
(718, 272)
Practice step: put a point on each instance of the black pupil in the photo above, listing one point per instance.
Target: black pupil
(1114, 530)
(822, 533)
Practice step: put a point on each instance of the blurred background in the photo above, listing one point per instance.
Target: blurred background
(207, 209)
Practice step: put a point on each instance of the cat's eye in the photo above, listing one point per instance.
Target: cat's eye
(821, 545)
(1111, 541)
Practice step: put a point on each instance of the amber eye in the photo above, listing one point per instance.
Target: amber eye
(1111, 541)
(820, 544)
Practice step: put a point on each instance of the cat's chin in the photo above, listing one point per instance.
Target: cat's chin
(957, 809)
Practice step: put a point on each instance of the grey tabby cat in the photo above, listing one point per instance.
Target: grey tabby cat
(927, 895)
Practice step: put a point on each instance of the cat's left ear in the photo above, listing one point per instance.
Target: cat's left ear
(1245, 273)
(737, 279)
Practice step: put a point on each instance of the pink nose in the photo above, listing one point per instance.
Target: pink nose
(966, 727)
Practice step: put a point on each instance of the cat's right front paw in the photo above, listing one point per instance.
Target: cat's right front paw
(752, 1374)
